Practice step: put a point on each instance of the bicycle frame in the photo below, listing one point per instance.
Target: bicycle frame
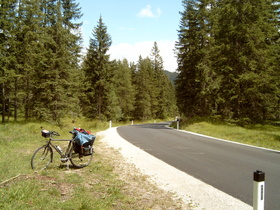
(67, 152)
(43, 156)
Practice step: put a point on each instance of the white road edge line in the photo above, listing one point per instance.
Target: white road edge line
(191, 190)
(229, 141)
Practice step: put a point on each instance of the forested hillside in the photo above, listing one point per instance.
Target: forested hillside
(228, 59)
(227, 53)
(171, 75)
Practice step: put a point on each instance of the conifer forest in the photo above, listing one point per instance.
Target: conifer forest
(228, 55)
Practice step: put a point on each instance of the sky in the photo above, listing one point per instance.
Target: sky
(134, 26)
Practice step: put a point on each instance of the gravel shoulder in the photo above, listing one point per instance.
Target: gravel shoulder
(192, 193)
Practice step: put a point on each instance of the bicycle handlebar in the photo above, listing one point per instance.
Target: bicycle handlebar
(54, 133)
(46, 133)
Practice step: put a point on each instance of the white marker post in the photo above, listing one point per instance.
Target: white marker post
(258, 195)
(110, 124)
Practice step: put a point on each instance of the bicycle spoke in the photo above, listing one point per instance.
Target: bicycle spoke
(78, 160)
(41, 158)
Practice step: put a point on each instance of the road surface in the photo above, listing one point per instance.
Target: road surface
(226, 166)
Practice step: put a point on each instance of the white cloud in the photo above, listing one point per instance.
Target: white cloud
(132, 52)
(147, 12)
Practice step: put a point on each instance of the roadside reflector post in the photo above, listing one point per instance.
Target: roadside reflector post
(110, 124)
(178, 122)
(131, 122)
(258, 194)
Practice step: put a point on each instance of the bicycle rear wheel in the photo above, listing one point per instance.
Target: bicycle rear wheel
(78, 160)
(41, 158)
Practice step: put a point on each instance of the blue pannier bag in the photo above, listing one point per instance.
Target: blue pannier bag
(84, 142)
(83, 138)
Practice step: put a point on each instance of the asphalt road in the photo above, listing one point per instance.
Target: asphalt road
(226, 166)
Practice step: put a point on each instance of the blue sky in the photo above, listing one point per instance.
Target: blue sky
(134, 26)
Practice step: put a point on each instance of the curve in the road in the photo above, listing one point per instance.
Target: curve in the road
(226, 166)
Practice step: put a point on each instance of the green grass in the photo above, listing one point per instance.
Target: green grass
(45, 190)
(94, 187)
(267, 136)
(97, 186)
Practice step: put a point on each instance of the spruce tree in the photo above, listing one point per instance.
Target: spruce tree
(142, 84)
(41, 46)
(156, 80)
(47, 58)
(98, 73)
(244, 57)
(162, 93)
(124, 88)
(193, 38)
(7, 55)
(29, 43)
(228, 56)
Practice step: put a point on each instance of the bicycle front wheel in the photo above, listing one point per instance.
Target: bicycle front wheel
(41, 158)
(78, 160)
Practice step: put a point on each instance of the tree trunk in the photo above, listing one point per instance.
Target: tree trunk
(3, 103)
(15, 102)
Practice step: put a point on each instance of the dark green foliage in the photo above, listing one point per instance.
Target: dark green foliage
(41, 77)
(155, 94)
(56, 83)
(99, 74)
(245, 54)
(228, 59)
(124, 89)
(116, 90)
(143, 87)
(45, 51)
(172, 76)
(7, 55)
(194, 41)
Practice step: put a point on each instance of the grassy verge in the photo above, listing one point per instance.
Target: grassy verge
(267, 136)
(104, 184)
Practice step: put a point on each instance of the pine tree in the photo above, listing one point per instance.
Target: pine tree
(245, 52)
(124, 88)
(167, 101)
(156, 80)
(47, 59)
(275, 19)
(41, 43)
(143, 88)
(228, 59)
(154, 92)
(7, 55)
(73, 40)
(194, 38)
(29, 45)
(97, 69)
(162, 93)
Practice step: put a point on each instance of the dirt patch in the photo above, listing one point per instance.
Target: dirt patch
(65, 189)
